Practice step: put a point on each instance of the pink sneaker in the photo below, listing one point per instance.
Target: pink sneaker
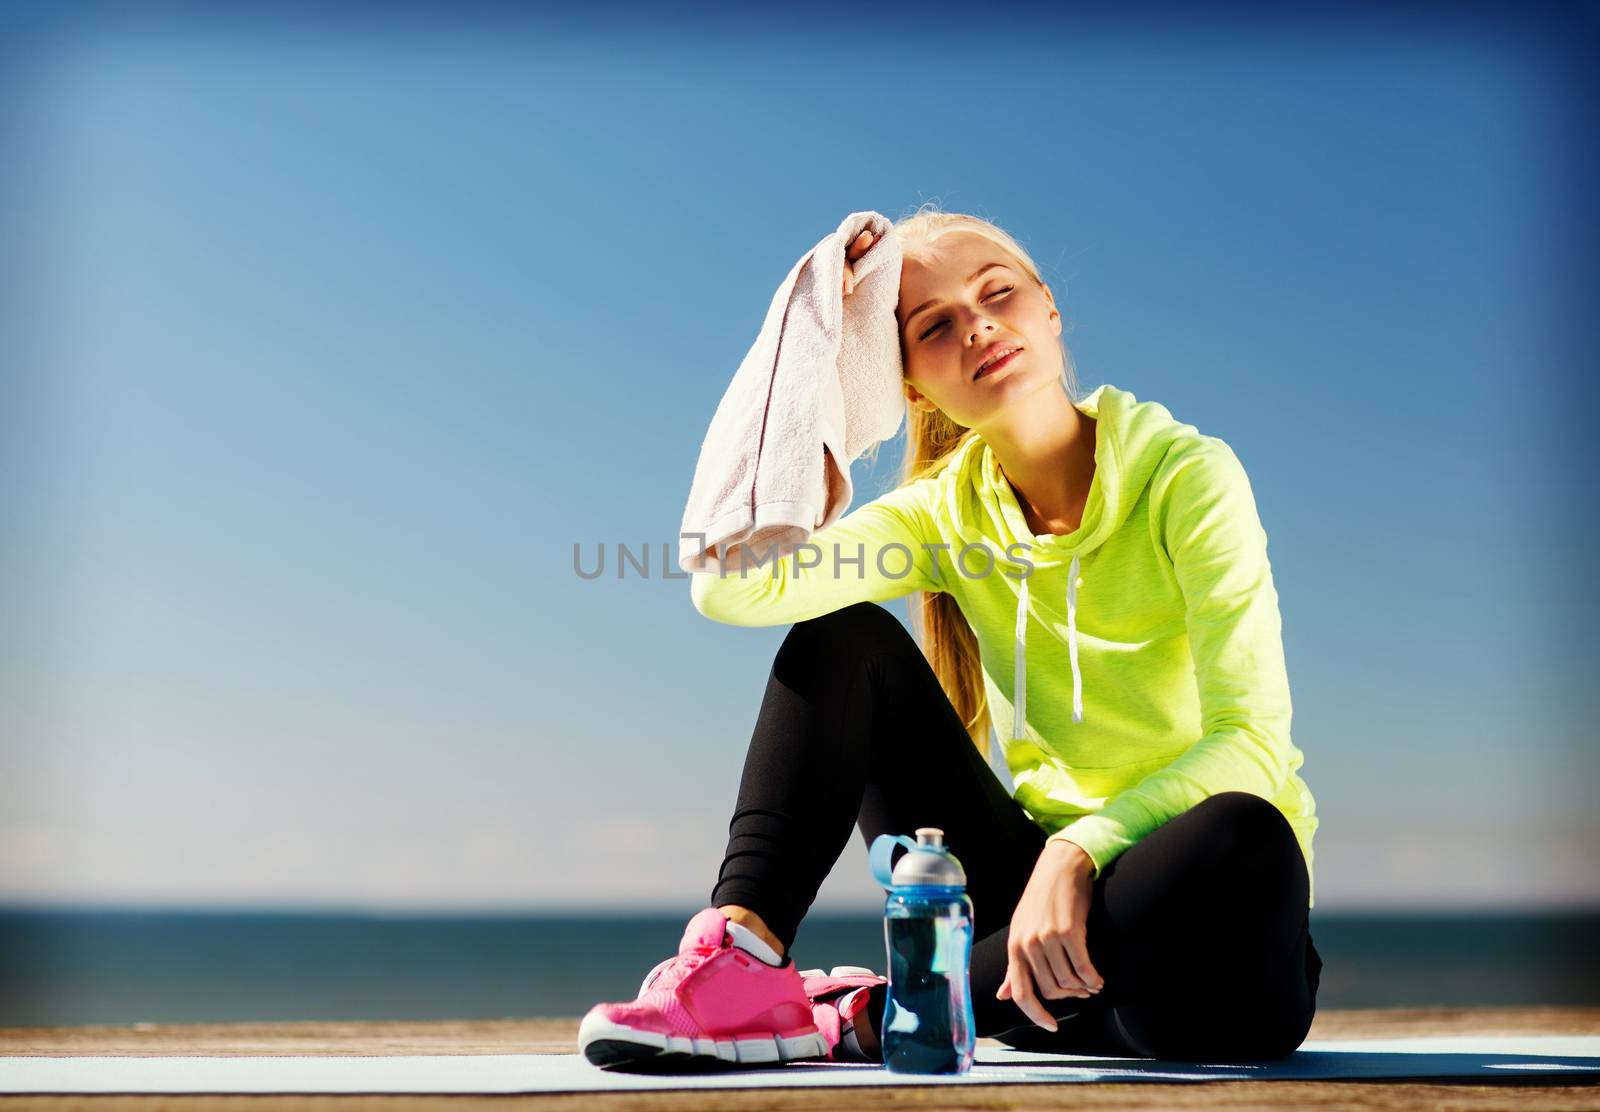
(838, 1000)
(711, 1003)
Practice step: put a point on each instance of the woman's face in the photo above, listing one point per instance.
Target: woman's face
(949, 325)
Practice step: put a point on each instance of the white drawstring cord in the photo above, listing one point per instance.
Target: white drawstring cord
(1072, 639)
(1019, 679)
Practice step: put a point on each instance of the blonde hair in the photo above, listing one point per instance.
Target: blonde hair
(932, 440)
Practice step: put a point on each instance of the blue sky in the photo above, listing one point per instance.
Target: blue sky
(331, 340)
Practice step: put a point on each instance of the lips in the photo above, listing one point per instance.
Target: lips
(1005, 353)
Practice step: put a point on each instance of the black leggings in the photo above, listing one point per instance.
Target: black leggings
(1200, 930)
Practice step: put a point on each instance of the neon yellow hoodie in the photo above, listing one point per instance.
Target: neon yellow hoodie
(1133, 667)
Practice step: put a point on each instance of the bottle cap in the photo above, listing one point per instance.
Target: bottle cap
(928, 861)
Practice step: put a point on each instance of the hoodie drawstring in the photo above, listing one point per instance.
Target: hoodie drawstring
(1019, 671)
(1072, 640)
(1019, 681)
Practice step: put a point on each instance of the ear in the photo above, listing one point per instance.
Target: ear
(918, 399)
(1050, 300)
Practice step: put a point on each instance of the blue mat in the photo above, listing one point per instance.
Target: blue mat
(1463, 1057)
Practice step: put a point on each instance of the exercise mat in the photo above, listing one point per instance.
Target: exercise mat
(1469, 1056)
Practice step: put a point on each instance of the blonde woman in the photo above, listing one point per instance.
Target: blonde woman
(1089, 576)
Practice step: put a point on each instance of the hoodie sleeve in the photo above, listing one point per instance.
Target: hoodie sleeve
(1213, 536)
(879, 551)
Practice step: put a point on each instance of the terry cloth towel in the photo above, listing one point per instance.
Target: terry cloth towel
(819, 387)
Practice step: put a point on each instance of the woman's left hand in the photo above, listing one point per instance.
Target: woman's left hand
(1048, 941)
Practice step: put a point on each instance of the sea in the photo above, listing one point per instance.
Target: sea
(76, 967)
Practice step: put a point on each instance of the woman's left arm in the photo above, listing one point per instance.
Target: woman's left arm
(1213, 534)
(1218, 548)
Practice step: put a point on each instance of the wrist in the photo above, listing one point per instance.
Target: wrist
(1074, 852)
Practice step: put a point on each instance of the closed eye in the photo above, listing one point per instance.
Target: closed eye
(941, 324)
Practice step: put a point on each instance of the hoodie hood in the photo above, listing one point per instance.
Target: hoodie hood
(1131, 439)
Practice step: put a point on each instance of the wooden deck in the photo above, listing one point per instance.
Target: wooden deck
(557, 1036)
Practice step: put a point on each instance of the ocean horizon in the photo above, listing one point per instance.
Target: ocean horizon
(118, 966)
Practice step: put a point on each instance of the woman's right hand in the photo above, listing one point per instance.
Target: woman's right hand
(852, 254)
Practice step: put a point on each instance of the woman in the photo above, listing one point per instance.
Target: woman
(1092, 578)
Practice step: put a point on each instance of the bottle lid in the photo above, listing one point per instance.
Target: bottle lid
(929, 862)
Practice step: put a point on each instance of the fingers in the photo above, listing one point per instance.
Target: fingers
(854, 251)
(1054, 967)
(1022, 993)
(1049, 970)
(1078, 951)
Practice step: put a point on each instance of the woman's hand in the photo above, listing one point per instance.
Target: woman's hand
(1048, 941)
(852, 253)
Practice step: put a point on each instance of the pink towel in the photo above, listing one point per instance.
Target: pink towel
(819, 387)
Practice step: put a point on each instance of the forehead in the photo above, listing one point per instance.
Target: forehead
(933, 270)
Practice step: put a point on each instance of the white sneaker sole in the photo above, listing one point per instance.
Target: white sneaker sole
(605, 1043)
(840, 971)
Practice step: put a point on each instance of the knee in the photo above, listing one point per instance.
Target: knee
(1245, 828)
(860, 627)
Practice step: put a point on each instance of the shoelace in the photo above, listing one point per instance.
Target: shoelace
(671, 972)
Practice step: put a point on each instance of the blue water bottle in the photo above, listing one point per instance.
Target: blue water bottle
(928, 1026)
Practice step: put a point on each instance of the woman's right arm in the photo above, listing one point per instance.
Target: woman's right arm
(879, 551)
